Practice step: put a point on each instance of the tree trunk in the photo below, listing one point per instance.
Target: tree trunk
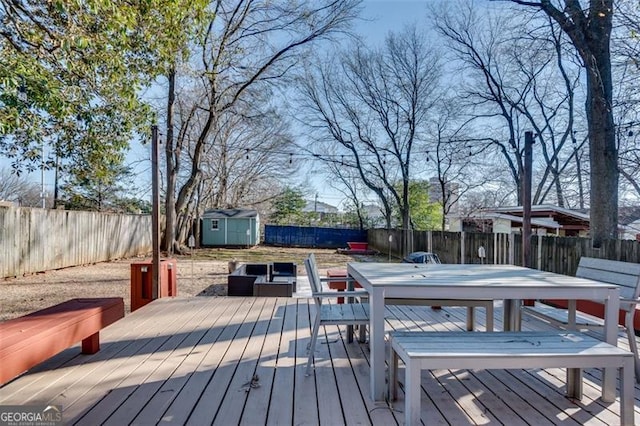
(169, 207)
(602, 149)
(590, 33)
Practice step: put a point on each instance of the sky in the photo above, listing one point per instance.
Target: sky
(378, 18)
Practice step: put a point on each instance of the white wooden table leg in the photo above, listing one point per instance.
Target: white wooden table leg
(611, 307)
(571, 314)
(574, 383)
(471, 318)
(376, 344)
(510, 308)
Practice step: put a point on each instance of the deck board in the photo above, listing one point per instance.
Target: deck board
(191, 360)
(281, 399)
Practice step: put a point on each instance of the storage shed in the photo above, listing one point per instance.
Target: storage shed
(230, 227)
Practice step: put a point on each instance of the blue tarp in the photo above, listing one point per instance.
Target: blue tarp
(307, 236)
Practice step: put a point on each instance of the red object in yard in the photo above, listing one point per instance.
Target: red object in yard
(358, 246)
(339, 285)
(596, 309)
(142, 280)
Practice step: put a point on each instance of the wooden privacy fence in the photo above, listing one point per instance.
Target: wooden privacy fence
(35, 240)
(451, 247)
(548, 253)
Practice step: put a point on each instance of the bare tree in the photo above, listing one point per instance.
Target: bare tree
(518, 78)
(590, 31)
(18, 189)
(251, 146)
(347, 181)
(457, 166)
(477, 46)
(625, 66)
(246, 44)
(370, 107)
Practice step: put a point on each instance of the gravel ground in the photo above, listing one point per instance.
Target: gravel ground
(204, 274)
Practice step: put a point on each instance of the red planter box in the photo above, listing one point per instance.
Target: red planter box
(339, 285)
(358, 246)
(142, 280)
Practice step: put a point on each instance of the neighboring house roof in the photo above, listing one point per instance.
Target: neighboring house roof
(372, 210)
(319, 207)
(563, 218)
(229, 213)
(541, 222)
(544, 215)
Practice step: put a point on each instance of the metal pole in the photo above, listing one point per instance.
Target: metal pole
(43, 192)
(526, 200)
(155, 214)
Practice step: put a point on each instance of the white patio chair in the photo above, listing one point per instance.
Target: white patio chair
(332, 314)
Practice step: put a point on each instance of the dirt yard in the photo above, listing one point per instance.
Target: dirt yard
(203, 274)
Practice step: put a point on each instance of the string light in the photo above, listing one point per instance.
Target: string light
(22, 91)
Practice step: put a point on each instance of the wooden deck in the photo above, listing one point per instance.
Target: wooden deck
(220, 360)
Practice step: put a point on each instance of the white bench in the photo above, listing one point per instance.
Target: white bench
(509, 350)
(624, 274)
(469, 304)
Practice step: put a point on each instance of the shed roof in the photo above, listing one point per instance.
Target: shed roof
(229, 213)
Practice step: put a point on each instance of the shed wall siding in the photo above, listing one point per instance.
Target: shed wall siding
(231, 232)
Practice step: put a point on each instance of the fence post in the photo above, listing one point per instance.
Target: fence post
(462, 248)
(512, 254)
(539, 252)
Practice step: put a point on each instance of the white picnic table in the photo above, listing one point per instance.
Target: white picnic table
(497, 282)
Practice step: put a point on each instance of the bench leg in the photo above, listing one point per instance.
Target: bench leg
(393, 374)
(412, 393)
(574, 383)
(627, 393)
(489, 316)
(91, 344)
(471, 318)
(362, 329)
